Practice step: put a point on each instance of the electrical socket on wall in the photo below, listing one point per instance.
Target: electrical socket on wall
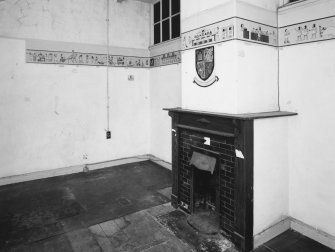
(108, 134)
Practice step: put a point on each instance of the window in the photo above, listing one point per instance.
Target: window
(166, 20)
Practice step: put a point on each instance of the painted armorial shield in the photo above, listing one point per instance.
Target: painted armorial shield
(204, 62)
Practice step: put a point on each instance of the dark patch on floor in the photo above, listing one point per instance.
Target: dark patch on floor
(176, 221)
(44, 212)
(291, 241)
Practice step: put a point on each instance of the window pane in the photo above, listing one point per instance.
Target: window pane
(165, 8)
(157, 12)
(166, 30)
(175, 6)
(175, 24)
(157, 33)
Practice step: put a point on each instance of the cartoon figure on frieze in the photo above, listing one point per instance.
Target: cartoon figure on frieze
(310, 31)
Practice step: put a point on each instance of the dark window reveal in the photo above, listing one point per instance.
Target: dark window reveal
(166, 20)
(175, 6)
(157, 12)
(157, 33)
(175, 24)
(166, 30)
(165, 9)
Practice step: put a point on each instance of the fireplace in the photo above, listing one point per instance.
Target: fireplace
(204, 170)
(212, 168)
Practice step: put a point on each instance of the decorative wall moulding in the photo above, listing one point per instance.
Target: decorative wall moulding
(165, 59)
(230, 29)
(307, 32)
(93, 59)
(210, 34)
(256, 32)
(236, 28)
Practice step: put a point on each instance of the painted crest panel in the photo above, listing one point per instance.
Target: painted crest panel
(204, 62)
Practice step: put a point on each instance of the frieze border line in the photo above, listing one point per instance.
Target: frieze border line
(311, 31)
(233, 28)
(50, 57)
(260, 33)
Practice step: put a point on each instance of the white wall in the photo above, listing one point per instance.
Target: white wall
(165, 92)
(130, 24)
(248, 72)
(307, 74)
(190, 8)
(52, 116)
(271, 177)
(307, 86)
(195, 14)
(257, 71)
(219, 97)
(262, 11)
(77, 21)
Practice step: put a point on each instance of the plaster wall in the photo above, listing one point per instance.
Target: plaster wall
(248, 72)
(54, 116)
(165, 92)
(219, 97)
(271, 177)
(77, 21)
(257, 73)
(191, 8)
(195, 14)
(262, 11)
(311, 154)
(307, 76)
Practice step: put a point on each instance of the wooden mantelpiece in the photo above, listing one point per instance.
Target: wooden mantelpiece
(247, 116)
(238, 130)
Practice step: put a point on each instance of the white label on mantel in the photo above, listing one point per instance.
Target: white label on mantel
(207, 140)
(239, 154)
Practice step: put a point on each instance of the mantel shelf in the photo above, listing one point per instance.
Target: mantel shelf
(247, 116)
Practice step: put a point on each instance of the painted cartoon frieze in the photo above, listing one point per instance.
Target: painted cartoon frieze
(210, 34)
(255, 32)
(318, 30)
(92, 59)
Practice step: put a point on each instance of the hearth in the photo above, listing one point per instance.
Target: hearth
(212, 169)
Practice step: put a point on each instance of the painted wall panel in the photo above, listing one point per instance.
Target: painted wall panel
(219, 97)
(307, 76)
(257, 71)
(51, 116)
(77, 21)
(271, 177)
(309, 89)
(165, 92)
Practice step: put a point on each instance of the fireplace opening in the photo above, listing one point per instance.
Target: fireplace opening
(204, 196)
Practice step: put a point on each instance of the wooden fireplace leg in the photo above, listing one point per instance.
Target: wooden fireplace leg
(175, 154)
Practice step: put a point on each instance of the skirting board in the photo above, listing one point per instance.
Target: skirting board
(292, 223)
(272, 232)
(79, 168)
(313, 233)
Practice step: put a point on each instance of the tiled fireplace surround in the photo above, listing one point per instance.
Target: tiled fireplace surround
(234, 181)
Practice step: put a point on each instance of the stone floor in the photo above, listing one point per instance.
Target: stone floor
(144, 231)
(291, 241)
(55, 214)
(124, 208)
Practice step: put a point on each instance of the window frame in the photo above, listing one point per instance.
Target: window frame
(160, 22)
